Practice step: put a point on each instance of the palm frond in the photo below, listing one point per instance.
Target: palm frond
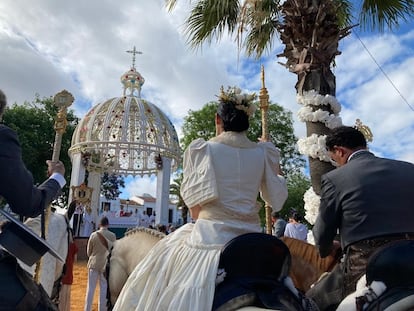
(210, 19)
(385, 14)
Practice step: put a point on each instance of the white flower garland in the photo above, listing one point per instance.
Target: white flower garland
(307, 114)
(313, 98)
(314, 146)
(312, 201)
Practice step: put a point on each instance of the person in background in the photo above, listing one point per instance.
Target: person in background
(16, 182)
(279, 225)
(144, 220)
(151, 219)
(99, 245)
(369, 201)
(295, 229)
(67, 280)
(222, 179)
(88, 222)
(120, 212)
(78, 218)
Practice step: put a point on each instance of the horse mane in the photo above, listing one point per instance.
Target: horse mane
(307, 265)
(126, 253)
(155, 233)
(309, 253)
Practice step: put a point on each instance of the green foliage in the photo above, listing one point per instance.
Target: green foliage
(297, 184)
(175, 192)
(111, 184)
(200, 124)
(33, 123)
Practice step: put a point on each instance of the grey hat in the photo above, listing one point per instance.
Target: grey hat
(23, 243)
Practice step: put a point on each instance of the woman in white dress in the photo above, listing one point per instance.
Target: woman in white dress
(88, 223)
(222, 178)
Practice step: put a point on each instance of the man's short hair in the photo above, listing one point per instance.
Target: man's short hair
(345, 136)
(3, 102)
(275, 214)
(104, 221)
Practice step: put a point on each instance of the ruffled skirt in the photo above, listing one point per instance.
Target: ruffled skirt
(178, 273)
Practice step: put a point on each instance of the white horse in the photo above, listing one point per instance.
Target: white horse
(57, 236)
(126, 253)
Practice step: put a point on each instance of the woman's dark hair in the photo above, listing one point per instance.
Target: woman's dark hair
(345, 136)
(295, 215)
(234, 119)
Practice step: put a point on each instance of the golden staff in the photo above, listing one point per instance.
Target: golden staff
(62, 100)
(264, 107)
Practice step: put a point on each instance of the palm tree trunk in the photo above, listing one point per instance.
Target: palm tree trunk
(324, 84)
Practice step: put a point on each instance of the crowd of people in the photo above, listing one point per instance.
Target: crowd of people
(365, 204)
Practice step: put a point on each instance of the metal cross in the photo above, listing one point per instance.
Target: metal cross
(133, 52)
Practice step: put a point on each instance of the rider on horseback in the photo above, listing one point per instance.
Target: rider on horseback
(369, 200)
(16, 186)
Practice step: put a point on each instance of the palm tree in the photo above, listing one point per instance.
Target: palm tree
(309, 29)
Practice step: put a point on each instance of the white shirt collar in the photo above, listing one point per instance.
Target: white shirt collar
(354, 153)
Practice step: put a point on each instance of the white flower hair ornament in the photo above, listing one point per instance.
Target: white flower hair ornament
(243, 102)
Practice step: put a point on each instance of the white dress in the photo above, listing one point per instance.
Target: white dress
(224, 176)
(88, 225)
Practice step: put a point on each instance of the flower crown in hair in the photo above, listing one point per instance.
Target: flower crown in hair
(234, 96)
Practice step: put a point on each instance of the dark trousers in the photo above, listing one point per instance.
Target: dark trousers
(77, 221)
(330, 290)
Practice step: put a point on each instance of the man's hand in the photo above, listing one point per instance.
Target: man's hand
(336, 249)
(55, 167)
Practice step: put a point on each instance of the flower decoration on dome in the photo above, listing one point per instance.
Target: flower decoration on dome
(234, 96)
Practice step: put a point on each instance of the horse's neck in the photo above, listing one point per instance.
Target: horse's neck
(57, 237)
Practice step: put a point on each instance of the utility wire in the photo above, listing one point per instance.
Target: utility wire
(384, 73)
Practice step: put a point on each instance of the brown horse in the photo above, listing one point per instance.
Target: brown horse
(307, 266)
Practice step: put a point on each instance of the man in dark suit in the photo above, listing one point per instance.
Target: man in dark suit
(16, 182)
(367, 200)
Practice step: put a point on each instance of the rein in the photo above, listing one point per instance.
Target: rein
(58, 283)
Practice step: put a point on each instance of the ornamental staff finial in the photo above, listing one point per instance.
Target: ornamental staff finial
(264, 107)
(364, 129)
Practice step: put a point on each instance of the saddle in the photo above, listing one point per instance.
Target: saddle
(255, 266)
(18, 291)
(393, 265)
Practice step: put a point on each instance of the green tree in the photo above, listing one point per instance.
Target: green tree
(175, 192)
(111, 184)
(309, 29)
(297, 184)
(200, 124)
(33, 123)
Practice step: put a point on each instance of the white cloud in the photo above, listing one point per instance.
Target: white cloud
(80, 46)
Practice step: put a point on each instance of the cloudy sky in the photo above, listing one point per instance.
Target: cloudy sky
(80, 46)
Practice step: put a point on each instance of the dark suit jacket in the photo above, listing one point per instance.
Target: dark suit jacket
(16, 182)
(367, 197)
